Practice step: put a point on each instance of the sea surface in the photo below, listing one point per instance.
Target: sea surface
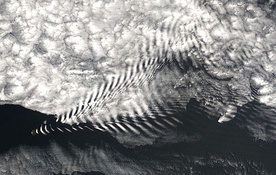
(199, 146)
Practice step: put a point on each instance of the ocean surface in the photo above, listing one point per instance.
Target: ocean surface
(199, 146)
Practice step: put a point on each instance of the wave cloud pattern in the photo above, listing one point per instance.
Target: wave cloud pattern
(119, 63)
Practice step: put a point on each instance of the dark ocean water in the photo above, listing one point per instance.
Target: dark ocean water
(199, 146)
